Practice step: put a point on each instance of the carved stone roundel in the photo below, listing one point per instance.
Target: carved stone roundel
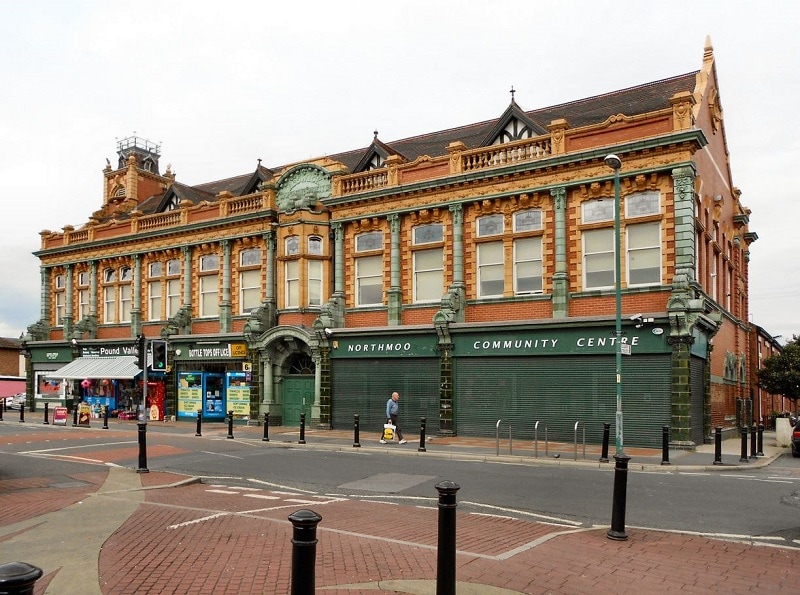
(302, 188)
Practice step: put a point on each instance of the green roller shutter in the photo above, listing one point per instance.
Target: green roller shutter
(697, 368)
(362, 386)
(560, 391)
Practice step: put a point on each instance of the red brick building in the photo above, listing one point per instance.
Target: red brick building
(473, 269)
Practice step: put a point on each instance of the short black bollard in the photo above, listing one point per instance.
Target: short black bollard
(304, 551)
(718, 445)
(753, 442)
(230, 425)
(606, 434)
(2, 408)
(302, 429)
(22, 412)
(446, 549)
(617, 530)
(105, 417)
(356, 443)
(665, 445)
(74, 415)
(760, 440)
(421, 448)
(46, 414)
(18, 578)
(743, 458)
(199, 431)
(266, 428)
(142, 448)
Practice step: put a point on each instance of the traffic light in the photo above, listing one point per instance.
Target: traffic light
(140, 351)
(159, 355)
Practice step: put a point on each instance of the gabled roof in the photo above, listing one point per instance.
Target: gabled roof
(515, 115)
(632, 101)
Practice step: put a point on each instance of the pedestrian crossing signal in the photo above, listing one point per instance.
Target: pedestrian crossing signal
(159, 355)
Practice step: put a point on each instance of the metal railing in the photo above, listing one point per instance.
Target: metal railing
(575, 438)
(497, 437)
(536, 440)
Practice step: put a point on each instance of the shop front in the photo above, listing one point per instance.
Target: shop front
(366, 369)
(213, 378)
(560, 377)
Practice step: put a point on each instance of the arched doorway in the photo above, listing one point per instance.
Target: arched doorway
(298, 389)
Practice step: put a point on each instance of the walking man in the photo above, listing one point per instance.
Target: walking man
(392, 409)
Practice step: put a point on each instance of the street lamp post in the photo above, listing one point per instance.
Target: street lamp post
(615, 163)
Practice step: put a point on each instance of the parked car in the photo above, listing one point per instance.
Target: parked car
(16, 401)
(796, 440)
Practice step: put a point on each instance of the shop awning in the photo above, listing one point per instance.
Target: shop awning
(124, 366)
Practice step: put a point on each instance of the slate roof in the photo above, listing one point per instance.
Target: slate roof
(632, 101)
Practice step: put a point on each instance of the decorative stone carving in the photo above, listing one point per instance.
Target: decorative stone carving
(302, 188)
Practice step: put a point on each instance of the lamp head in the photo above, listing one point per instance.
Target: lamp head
(613, 161)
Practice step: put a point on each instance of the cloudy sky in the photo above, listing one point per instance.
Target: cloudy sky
(221, 85)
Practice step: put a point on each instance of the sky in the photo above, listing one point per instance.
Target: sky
(221, 85)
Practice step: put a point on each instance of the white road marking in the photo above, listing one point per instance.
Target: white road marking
(262, 496)
(219, 454)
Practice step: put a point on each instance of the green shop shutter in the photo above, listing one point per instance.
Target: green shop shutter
(697, 369)
(559, 391)
(362, 386)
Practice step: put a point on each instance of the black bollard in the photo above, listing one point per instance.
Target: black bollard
(22, 412)
(617, 530)
(304, 551)
(421, 435)
(665, 445)
(74, 415)
(230, 425)
(266, 428)
(199, 432)
(105, 417)
(46, 414)
(760, 440)
(18, 578)
(606, 434)
(142, 448)
(356, 443)
(446, 549)
(718, 445)
(2, 408)
(302, 429)
(743, 458)
(753, 442)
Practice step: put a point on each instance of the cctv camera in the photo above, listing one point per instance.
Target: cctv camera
(636, 317)
(328, 332)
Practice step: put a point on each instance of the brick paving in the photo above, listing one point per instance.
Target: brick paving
(193, 537)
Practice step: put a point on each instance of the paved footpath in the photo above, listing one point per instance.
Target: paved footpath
(162, 533)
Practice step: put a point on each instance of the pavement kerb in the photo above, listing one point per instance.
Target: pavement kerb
(452, 453)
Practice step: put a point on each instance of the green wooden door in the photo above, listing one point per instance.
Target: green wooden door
(298, 396)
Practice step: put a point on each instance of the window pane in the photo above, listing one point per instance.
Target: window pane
(428, 275)
(644, 254)
(154, 300)
(369, 281)
(155, 269)
(529, 220)
(490, 226)
(209, 304)
(528, 265)
(250, 257)
(125, 274)
(314, 283)
(83, 303)
(173, 297)
(598, 258)
(292, 245)
(369, 241)
(210, 262)
(109, 275)
(643, 203)
(83, 278)
(292, 284)
(174, 267)
(598, 210)
(109, 304)
(428, 234)
(315, 245)
(125, 303)
(249, 290)
(490, 269)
